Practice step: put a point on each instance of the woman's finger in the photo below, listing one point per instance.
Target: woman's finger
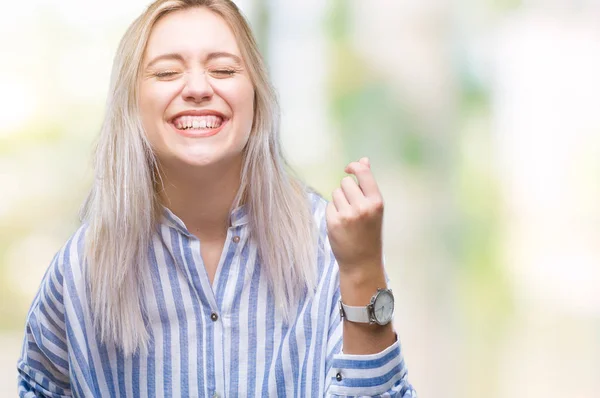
(340, 201)
(353, 193)
(366, 179)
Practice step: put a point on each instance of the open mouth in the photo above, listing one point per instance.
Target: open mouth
(199, 123)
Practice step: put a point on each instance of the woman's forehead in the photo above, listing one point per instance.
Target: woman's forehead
(191, 32)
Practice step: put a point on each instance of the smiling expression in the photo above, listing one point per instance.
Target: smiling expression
(196, 99)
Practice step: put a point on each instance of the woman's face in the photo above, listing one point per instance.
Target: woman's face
(196, 99)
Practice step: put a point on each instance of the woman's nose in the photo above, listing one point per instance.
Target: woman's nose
(197, 87)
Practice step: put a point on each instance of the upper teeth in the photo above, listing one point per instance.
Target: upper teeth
(197, 122)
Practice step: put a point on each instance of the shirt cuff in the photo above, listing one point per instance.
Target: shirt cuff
(367, 375)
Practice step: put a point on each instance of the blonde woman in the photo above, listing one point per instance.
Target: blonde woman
(203, 267)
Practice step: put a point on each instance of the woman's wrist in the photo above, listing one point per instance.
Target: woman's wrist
(359, 284)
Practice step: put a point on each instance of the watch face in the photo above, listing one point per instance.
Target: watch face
(383, 307)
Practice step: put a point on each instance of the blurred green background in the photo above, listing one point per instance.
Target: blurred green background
(482, 122)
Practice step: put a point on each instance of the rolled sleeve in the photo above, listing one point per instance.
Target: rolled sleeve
(381, 374)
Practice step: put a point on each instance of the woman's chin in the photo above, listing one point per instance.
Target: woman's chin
(199, 161)
(189, 156)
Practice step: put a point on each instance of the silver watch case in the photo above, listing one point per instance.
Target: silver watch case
(370, 310)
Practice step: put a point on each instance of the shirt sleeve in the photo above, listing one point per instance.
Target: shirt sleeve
(381, 374)
(43, 369)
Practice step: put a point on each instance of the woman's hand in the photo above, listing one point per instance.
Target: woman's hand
(354, 223)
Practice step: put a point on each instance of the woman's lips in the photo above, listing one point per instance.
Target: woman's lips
(200, 133)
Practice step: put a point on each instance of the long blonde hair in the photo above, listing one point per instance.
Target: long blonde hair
(123, 208)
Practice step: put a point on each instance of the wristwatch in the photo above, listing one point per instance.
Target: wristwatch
(380, 310)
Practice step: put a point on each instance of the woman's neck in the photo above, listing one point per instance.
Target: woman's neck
(202, 198)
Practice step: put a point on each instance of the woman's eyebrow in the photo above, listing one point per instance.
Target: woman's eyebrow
(222, 54)
(172, 56)
(209, 57)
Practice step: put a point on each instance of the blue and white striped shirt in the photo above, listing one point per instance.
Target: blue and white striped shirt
(222, 340)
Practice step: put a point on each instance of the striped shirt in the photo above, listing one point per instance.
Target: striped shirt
(224, 339)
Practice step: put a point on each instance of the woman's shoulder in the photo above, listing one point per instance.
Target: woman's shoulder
(72, 252)
(54, 284)
(68, 260)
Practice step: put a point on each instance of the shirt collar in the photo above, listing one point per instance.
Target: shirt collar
(237, 217)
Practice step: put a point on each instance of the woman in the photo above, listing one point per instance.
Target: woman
(203, 268)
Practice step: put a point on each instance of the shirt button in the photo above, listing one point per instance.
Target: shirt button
(338, 377)
(214, 316)
(236, 239)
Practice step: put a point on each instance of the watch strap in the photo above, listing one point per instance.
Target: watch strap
(355, 314)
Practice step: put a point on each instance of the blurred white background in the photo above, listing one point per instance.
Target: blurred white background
(482, 122)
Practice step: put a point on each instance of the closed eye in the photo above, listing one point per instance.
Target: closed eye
(221, 73)
(165, 74)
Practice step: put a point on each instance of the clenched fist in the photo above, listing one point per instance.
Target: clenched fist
(354, 221)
